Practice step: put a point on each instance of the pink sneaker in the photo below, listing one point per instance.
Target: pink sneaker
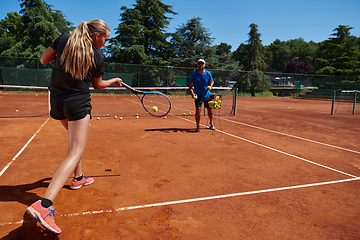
(45, 216)
(75, 184)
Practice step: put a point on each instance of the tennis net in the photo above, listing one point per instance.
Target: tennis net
(29, 101)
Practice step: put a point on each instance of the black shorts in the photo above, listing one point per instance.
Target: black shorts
(70, 109)
(198, 102)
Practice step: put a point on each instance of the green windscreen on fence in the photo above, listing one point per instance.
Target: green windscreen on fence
(30, 72)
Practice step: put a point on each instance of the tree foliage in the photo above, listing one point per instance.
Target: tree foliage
(34, 29)
(9, 28)
(141, 36)
(190, 42)
(340, 54)
(254, 58)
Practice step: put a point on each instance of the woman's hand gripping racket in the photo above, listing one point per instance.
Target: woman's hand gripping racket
(155, 103)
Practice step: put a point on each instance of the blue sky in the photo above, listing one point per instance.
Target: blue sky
(228, 20)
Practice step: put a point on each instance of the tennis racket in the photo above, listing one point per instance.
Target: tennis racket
(155, 103)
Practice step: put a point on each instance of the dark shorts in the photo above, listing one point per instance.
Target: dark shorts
(198, 102)
(71, 110)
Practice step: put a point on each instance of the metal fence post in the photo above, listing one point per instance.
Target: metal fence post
(333, 102)
(354, 102)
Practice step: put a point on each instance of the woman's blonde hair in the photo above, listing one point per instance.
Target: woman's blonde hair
(78, 54)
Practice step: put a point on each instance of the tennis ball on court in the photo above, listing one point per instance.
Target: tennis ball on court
(107, 115)
(98, 118)
(35, 94)
(184, 114)
(136, 114)
(209, 87)
(147, 112)
(16, 110)
(288, 107)
(120, 118)
(165, 117)
(137, 117)
(154, 109)
(115, 117)
(189, 113)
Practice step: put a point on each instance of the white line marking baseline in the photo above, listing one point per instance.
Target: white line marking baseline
(197, 199)
(23, 148)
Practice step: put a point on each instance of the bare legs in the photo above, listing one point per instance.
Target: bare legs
(78, 132)
(197, 117)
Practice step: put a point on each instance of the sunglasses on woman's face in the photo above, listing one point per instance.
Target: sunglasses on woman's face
(201, 63)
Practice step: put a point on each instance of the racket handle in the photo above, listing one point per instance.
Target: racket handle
(126, 86)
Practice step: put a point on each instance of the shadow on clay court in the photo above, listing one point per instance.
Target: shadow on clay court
(191, 130)
(30, 230)
(22, 193)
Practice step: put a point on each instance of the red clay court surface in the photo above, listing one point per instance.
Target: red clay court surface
(271, 173)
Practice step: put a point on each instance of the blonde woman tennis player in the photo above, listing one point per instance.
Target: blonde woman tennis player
(77, 63)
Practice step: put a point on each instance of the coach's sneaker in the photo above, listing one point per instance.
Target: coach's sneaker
(211, 127)
(75, 184)
(45, 216)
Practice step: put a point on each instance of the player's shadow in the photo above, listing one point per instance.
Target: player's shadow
(168, 130)
(29, 229)
(22, 193)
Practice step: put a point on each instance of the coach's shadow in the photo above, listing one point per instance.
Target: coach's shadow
(171, 130)
(30, 230)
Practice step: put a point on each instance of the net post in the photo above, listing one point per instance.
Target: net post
(355, 92)
(235, 100)
(333, 102)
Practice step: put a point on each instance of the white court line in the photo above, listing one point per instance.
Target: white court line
(234, 195)
(276, 150)
(214, 197)
(23, 148)
(273, 149)
(197, 199)
(288, 135)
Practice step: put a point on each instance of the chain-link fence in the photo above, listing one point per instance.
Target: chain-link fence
(30, 72)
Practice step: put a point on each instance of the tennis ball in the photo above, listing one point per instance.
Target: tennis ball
(107, 115)
(195, 96)
(16, 110)
(115, 117)
(98, 118)
(137, 117)
(120, 118)
(154, 108)
(35, 94)
(209, 87)
(165, 117)
(184, 114)
(189, 113)
(288, 107)
(136, 114)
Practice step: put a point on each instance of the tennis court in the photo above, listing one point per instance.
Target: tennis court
(279, 169)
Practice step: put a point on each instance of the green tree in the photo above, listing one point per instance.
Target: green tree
(190, 42)
(255, 62)
(340, 54)
(142, 33)
(62, 25)
(280, 53)
(240, 55)
(9, 28)
(38, 30)
(223, 48)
